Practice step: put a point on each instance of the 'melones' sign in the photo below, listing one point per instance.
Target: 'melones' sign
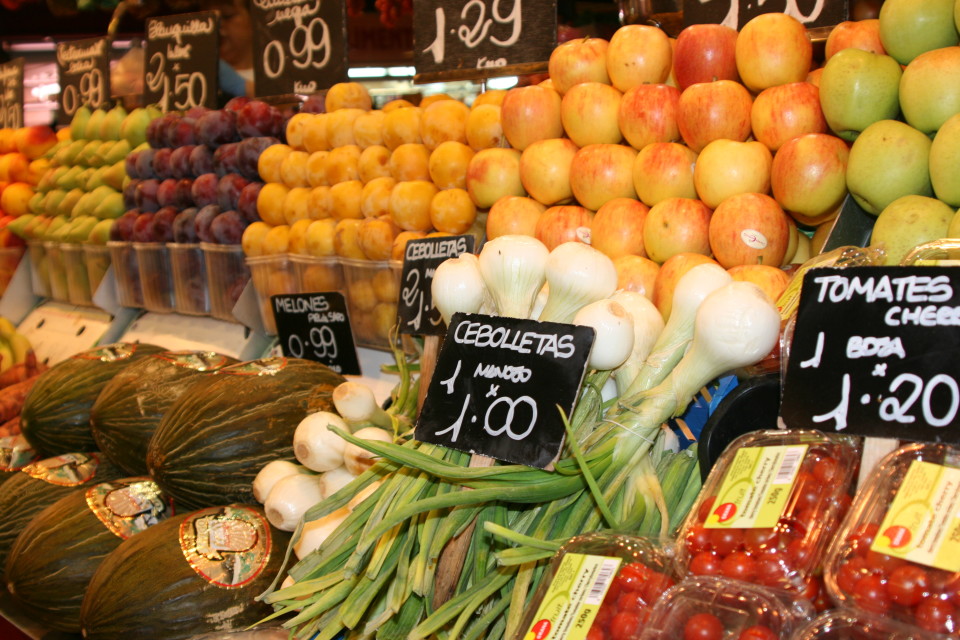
(876, 352)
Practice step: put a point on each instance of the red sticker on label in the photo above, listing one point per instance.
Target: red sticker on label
(128, 506)
(68, 470)
(541, 629)
(899, 536)
(227, 546)
(725, 511)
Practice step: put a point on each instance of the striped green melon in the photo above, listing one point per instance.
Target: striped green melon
(54, 557)
(217, 436)
(171, 582)
(130, 406)
(55, 417)
(41, 484)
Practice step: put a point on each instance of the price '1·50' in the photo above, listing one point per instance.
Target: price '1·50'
(189, 89)
(475, 26)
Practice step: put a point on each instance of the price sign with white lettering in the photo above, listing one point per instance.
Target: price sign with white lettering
(736, 13)
(455, 40)
(315, 326)
(876, 352)
(11, 94)
(181, 61)
(300, 46)
(415, 311)
(83, 67)
(499, 385)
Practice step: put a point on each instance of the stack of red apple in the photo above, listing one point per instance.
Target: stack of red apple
(715, 147)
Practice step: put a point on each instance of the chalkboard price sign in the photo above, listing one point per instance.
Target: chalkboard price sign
(83, 67)
(11, 94)
(182, 55)
(498, 384)
(876, 352)
(736, 13)
(315, 326)
(421, 258)
(481, 38)
(300, 45)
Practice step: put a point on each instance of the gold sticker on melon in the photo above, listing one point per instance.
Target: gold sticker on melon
(110, 352)
(261, 367)
(68, 470)
(15, 453)
(128, 506)
(196, 360)
(227, 546)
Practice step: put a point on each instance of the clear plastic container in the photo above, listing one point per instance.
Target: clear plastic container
(126, 269)
(898, 553)
(58, 273)
(373, 288)
(227, 275)
(846, 624)
(9, 259)
(271, 275)
(155, 276)
(189, 279)
(97, 258)
(772, 503)
(317, 274)
(944, 253)
(78, 282)
(715, 607)
(40, 272)
(610, 581)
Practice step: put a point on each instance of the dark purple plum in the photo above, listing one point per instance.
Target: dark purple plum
(203, 221)
(184, 193)
(204, 189)
(143, 228)
(257, 118)
(228, 190)
(225, 159)
(249, 152)
(227, 228)
(180, 161)
(182, 132)
(169, 122)
(145, 195)
(163, 224)
(155, 132)
(167, 193)
(123, 229)
(130, 164)
(145, 163)
(201, 160)
(315, 103)
(247, 202)
(162, 168)
(216, 127)
(184, 229)
(130, 193)
(196, 112)
(235, 104)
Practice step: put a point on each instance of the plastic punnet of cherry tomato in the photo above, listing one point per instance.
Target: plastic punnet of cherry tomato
(850, 624)
(715, 608)
(922, 596)
(788, 554)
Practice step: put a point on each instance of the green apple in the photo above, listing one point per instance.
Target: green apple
(134, 127)
(945, 162)
(92, 131)
(78, 124)
(911, 27)
(110, 207)
(110, 127)
(888, 160)
(100, 234)
(858, 88)
(907, 222)
(65, 206)
(930, 89)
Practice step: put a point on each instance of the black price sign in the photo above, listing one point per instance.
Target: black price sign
(498, 384)
(421, 258)
(300, 45)
(481, 38)
(11, 94)
(182, 55)
(736, 13)
(83, 67)
(316, 326)
(876, 352)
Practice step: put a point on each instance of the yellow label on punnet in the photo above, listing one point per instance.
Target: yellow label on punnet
(756, 487)
(922, 523)
(573, 598)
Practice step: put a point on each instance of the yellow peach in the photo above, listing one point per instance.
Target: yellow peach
(293, 169)
(448, 165)
(270, 202)
(410, 204)
(341, 163)
(298, 236)
(295, 128)
(268, 164)
(295, 205)
(401, 126)
(317, 169)
(410, 161)
(320, 237)
(314, 135)
(345, 199)
(346, 239)
(375, 197)
(368, 129)
(426, 101)
(252, 240)
(396, 103)
(376, 237)
(340, 127)
(318, 204)
(490, 96)
(373, 163)
(345, 95)
(452, 211)
(483, 127)
(442, 121)
(277, 240)
(400, 243)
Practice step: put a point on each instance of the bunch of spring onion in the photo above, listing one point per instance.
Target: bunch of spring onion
(375, 574)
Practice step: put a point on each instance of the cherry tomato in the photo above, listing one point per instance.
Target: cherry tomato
(726, 541)
(703, 512)
(604, 615)
(624, 625)
(908, 584)
(631, 601)
(757, 632)
(936, 614)
(850, 573)
(703, 626)
(800, 552)
(739, 565)
(654, 587)
(613, 592)
(827, 470)
(632, 576)
(773, 569)
(810, 589)
(596, 633)
(705, 563)
(882, 563)
(759, 540)
(861, 539)
(807, 492)
(870, 593)
(698, 539)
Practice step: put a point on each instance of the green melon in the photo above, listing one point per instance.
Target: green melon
(42, 483)
(212, 442)
(55, 418)
(173, 582)
(130, 406)
(55, 556)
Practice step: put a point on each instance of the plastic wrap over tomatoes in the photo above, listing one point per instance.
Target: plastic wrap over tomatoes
(849, 624)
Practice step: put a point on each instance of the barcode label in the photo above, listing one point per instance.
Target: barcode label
(792, 458)
(602, 582)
